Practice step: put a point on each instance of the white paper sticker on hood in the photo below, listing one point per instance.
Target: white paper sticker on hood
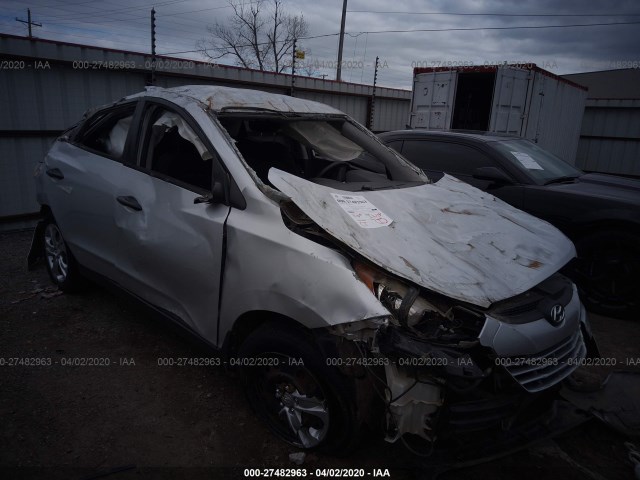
(363, 212)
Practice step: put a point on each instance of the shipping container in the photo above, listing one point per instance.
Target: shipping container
(526, 101)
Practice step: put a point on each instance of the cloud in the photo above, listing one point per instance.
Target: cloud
(180, 23)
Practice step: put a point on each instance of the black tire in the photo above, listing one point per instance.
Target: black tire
(277, 392)
(61, 265)
(607, 273)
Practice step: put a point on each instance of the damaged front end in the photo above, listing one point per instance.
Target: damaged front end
(456, 376)
(452, 375)
(481, 330)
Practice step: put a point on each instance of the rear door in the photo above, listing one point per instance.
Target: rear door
(432, 102)
(82, 176)
(170, 245)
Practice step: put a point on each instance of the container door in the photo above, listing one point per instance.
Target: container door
(509, 101)
(433, 97)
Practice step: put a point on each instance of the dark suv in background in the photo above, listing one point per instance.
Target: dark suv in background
(599, 212)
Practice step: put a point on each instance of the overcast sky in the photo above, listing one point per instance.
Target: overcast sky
(124, 24)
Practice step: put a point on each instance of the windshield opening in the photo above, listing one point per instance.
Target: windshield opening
(329, 151)
(538, 164)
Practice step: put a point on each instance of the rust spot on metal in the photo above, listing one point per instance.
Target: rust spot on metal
(534, 264)
(410, 265)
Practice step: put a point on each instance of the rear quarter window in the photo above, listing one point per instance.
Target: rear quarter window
(106, 132)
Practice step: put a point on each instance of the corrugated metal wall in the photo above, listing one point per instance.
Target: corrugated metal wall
(610, 137)
(53, 88)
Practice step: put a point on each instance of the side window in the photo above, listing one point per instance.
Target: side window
(174, 151)
(395, 144)
(106, 133)
(445, 157)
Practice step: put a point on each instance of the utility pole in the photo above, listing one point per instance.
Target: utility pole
(341, 44)
(29, 22)
(293, 67)
(373, 95)
(153, 46)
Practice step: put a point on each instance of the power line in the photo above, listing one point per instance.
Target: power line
(431, 30)
(205, 9)
(257, 44)
(500, 14)
(79, 20)
(127, 34)
(80, 15)
(65, 34)
(377, 31)
(502, 28)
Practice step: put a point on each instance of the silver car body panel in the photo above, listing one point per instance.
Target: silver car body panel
(260, 248)
(539, 354)
(531, 338)
(143, 254)
(473, 246)
(83, 203)
(170, 252)
(269, 268)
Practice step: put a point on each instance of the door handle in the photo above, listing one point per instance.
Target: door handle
(55, 173)
(130, 202)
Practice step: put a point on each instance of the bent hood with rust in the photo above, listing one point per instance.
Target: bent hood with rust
(448, 236)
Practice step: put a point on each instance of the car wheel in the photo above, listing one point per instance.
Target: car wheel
(608, 273)
(59, 260)
(290, 386)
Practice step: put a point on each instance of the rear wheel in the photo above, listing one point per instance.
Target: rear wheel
(301, 399)
(608, 273)
(60, 262)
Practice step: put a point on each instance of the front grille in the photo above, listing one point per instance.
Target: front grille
(540, 371)
(520, 309)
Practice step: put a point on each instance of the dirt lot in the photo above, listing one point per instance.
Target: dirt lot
(135, 419)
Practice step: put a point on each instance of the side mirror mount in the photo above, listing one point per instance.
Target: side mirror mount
(492, 174)
(217, 195)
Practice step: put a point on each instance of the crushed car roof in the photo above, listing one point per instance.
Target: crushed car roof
(225, 98)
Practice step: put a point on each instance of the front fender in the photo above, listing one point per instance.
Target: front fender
(270, 268)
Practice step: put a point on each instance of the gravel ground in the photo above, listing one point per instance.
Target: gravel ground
(135, 419)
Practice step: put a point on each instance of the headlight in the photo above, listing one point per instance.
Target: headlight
(402, 300)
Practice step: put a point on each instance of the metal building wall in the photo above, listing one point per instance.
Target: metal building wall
(53, 90)
(610, 137)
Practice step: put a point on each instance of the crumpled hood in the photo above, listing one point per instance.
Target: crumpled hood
(448, 236)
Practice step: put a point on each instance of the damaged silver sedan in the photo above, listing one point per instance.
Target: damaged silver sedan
(352, 292)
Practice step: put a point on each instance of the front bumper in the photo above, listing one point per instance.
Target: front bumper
(509, 378)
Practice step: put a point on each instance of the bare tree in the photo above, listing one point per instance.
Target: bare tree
(259, 34)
